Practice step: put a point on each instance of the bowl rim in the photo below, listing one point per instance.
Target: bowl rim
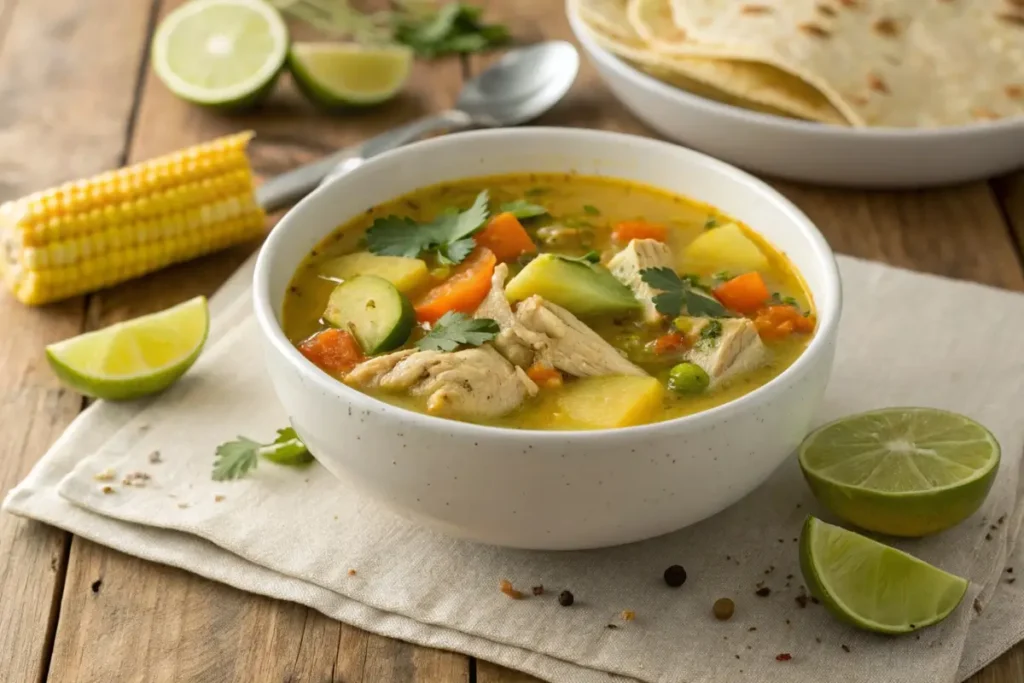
(777, 124)
(828, 302)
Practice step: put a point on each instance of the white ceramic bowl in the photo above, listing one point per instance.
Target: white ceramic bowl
(545, 489)
(810, 152)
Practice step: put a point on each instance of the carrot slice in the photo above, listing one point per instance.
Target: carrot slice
(333, 351)
(506, 237)
(776, 322)
(639, 230)
(462, 291)
(673, 341)
(744, 293)
(544, 376)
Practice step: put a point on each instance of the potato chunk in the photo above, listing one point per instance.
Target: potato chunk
(611, 401)
(724, 248)
(406, 274)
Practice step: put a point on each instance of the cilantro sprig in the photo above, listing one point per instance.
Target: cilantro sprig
(449, 235)
(522, 208)
(235, 459)
(678, 294)
(456, 329)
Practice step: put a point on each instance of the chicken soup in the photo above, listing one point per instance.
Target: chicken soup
(542, 301)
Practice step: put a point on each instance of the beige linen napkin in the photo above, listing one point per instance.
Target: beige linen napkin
(294, 534)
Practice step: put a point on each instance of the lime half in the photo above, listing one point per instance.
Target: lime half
(871, 585)
(901, 471)
(344, 74)
(134, 358)
(221, 53)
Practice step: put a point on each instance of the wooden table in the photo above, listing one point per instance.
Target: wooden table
(77, 97)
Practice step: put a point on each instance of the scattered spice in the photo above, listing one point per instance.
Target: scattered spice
(183, 505)
(155, 458)
(219, 498)
(787, 622)
(675, 576)
(813, 30)
(723, 609)
(628, 615)
(977, 606)
(827, 10)
(1011, 579)
(789, 576)
(752, 628)
(351, 572)
(763, 592)
(565, 599)
(96, 585)
(108, 489)
(507, 589)
(1009, 570)
(846, 648)
(138, 479)
(106, 475)
(876, 83)
(755, 9)
(611, 626)
(993, 527)
(1002, 518)
(538, 590)
(817, 640)
(783, 657)
(988, 537)
(815, 600)
(801, 600)
(887, 27)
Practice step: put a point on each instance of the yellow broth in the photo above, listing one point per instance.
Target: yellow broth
(593, 205)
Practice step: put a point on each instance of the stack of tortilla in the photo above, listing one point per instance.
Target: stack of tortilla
(894, 63)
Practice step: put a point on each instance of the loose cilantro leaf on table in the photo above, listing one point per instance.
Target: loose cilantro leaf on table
(449, 235)
(677, 295)
(235, 459)
(522, 208)
(456, 329)
(453, 28)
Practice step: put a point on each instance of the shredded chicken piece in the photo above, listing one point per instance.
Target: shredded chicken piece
(626, 267)
(736, 349)
(496, 307)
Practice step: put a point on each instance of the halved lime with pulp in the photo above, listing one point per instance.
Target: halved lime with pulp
(134, 358)
(345, 74)
(221, 53)
(871, 585)
(901, 471)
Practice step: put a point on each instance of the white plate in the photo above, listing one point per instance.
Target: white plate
(810, 152)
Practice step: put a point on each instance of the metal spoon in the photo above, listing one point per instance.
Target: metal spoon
(522, 85)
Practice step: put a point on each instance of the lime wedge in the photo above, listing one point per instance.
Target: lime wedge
(221, 53)
(134, 358)
(344, 74)
(871, 585)
(901, 471)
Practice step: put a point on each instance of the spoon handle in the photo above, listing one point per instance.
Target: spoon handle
(287, 188)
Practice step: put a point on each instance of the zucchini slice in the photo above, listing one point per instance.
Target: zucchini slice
(373, 310)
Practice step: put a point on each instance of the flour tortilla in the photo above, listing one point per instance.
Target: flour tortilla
(904, 63)
(704, 70)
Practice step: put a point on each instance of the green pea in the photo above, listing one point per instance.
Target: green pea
(688, 378)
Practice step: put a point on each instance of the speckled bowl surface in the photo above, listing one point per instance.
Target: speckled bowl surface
(539, 489)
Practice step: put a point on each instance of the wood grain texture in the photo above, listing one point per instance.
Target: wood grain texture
(1009, 191)
(167, 625)
(68, 73)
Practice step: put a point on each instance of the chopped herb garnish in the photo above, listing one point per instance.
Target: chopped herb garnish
(450, 234)
(591, 209)
(711, 222)
(521, 208)
(722, 276)
(677, 295)
(778, 300)
(456, 329)
(234, 459)
(590, 258)
(711, 331)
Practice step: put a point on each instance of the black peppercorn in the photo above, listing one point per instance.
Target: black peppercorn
(565, 598)
(675, 576)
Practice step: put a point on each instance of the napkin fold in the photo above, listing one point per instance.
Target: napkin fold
(295, 534)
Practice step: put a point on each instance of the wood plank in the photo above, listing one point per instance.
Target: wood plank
(68, 73)
(167, 625)
(1009, 191)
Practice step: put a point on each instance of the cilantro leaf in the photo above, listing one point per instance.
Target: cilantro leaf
(235, 459)
(711, 331)
(454, 28)
(395, 236)
(449, 234)
(592, 210)
(678, 294)
(455, 329)
(589, 259)
(522, 208)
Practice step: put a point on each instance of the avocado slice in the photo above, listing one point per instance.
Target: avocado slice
(582, 288)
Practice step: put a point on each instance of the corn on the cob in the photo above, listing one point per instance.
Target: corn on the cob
(95, 233)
